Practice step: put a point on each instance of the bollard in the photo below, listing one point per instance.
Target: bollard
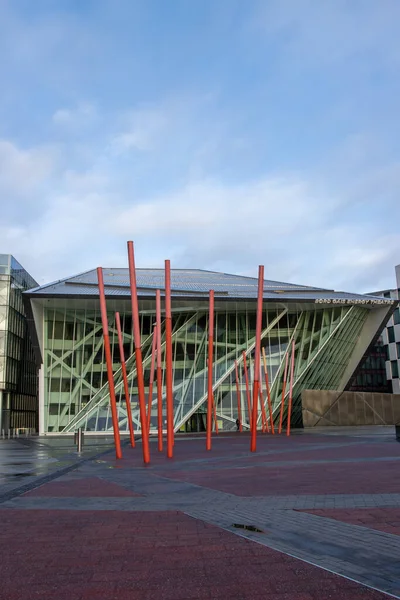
(79, 440)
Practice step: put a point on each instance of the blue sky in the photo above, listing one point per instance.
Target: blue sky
(221, 134)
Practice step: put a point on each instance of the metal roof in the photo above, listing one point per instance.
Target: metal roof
(187, 283)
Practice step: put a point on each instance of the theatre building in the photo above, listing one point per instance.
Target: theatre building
(331, 332)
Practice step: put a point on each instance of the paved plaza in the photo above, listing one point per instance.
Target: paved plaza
(315, 516)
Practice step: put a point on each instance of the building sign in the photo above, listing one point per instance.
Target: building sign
(359, 301)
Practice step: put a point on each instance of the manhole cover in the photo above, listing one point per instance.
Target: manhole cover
(247, 527)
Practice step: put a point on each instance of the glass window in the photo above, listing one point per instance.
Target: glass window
(398, 349)
(395, 369)
(390, 334)
(396, 316)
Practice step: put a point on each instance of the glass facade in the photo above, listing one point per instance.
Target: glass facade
(371, 375)
(18, 370)
(75, 378)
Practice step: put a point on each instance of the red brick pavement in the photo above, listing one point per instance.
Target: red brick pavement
(91, 487)
(324, 478)
(383, 519)
(109, 555)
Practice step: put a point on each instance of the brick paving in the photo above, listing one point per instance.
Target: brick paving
(328, 507)
(382, 519)
(90, 487)
(150, 556)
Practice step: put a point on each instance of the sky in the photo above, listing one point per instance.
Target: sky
(220, 134)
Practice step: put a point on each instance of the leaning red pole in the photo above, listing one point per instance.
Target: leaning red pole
(256, 381)
(265, 427)
(210, 399)
(246, 378)
(153, 360)
(138, 354)
(125, 380)
(283, 394)
(168, 360)
(290, 392)
(159, 372)
(271, 417)
(239, 397)
(110, 375)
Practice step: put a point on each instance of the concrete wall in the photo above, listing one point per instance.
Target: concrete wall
(330, 408)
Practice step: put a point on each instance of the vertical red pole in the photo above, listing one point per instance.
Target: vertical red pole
(256, 382)
(290, 392)
(210, 398)
(271, 416)
(159, 372)
(153, 360)
(283, 394)
(239, 397)
(168, 361)
(246, 378)
(265, 427)
(110, 376)
(125, 380)
(138, 354)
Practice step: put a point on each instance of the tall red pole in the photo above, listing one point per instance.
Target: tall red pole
(138, 354)
(168, 361)
(210, 399)
(256, 381)
(290, 392)
(246, 378)
(271, 416)
(283, 394)
(153, 360)
(159, 372)
(239, 397)
(125, 380)
(110, 375)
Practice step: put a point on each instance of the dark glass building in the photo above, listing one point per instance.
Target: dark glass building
(18, 370)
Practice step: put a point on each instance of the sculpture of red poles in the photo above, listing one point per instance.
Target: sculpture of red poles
(210, 399)
(138, 354)
(290, 392)
(110, 375)
(168, 361)
(159, 372)
(256, 381)
(125, 380)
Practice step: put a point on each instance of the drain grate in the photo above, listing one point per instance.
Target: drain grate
(247, 527)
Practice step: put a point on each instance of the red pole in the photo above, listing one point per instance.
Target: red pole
(290, 391)
(138, 354)
(168, 361)
(283, 394)
(246, 377)
(153, 360)
(107, 351)
(159, 372)
(239, 397)
(271, 417)
(256, 382)
(210, 398)
(215, 415)
(125, 379)
(265, 427)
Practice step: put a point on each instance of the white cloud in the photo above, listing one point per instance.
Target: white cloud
(23, 170)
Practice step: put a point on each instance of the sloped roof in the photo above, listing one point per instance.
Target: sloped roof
(184, 283)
